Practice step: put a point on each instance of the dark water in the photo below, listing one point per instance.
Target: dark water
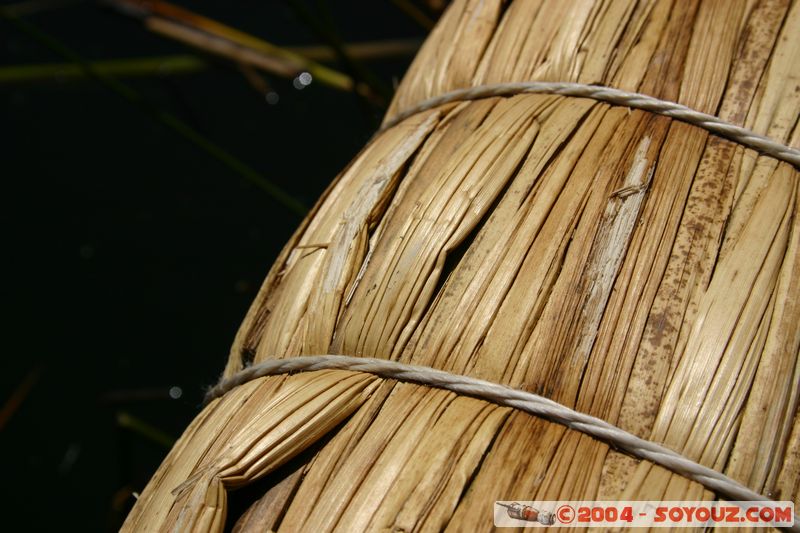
(129, 255)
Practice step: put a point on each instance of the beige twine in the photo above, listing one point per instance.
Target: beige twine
(534, 404)
(680, 112)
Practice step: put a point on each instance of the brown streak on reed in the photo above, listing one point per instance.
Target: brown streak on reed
(636, 268)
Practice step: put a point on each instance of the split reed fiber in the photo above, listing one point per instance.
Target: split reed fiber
(627, 265)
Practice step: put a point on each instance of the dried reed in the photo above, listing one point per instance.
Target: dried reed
(624, 264)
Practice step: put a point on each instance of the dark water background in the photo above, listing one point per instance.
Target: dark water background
(129, 255)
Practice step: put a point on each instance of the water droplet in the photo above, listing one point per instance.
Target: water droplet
(305, 78)
(302, 81)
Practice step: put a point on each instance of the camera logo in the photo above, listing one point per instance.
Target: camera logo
(527, 513)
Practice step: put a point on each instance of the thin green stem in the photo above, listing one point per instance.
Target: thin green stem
(179, 64)
(352, 66)
(146, 66)
(128, 421)
(167, 119)
(419, 16)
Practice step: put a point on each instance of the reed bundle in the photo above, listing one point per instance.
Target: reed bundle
(627, 265)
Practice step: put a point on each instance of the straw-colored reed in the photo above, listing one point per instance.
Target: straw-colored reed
(627, 265)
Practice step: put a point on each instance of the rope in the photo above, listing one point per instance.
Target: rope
(609, 95)
(534, 404)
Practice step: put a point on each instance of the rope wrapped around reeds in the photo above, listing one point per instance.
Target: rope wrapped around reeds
(626, 265)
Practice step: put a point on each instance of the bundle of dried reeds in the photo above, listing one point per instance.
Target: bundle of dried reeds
(624, 264)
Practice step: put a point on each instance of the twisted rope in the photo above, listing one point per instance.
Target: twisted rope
(534, 404)
(680, 112)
